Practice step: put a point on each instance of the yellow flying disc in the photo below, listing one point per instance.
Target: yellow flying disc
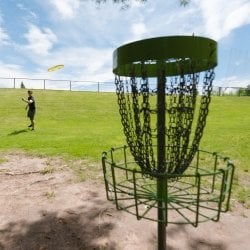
(56, 67)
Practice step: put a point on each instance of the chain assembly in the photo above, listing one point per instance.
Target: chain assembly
(139, 122)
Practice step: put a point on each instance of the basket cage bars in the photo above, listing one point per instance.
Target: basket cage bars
(199, 195)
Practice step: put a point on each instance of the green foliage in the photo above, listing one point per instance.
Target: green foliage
(247, 90)
(47, 170)
(126, 3)
(22, 86)
(50, 194)
(244, 91)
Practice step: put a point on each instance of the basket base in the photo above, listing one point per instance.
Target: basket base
(197, 196)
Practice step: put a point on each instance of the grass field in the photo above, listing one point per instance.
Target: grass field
(83, 124)
(73, 124)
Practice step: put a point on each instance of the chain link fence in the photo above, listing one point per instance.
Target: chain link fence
(236, 91)
(49, 84)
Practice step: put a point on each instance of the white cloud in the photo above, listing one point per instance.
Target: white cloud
(138, 30)
(30, 14)
(221, 17)
(87, 63)
(39, 41)
(10, 70)
(66, 8)
(232, 81)
(4, 37)
(238, 17)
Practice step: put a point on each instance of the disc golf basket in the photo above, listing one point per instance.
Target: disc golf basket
(164, 89)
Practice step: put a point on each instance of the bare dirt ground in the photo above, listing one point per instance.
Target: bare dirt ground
(45, 206)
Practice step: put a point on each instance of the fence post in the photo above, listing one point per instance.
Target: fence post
(98, 87)
(70, 85)
(44, 84)
(14, 83)
(219, 91)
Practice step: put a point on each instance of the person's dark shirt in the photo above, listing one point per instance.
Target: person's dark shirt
(32, 105)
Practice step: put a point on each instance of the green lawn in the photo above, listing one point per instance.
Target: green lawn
(72, 124)
(83, 124)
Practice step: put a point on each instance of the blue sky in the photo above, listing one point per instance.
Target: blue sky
(37, 34)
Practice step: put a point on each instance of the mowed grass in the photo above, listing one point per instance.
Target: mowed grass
(84, 124)
(70, 124)
(228, 133)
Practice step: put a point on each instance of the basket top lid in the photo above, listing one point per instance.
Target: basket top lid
(176, 55)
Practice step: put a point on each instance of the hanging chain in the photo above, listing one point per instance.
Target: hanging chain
(180, 114)
(181, 104)
(136, 120)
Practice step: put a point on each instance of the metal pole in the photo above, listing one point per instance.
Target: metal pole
(161, 143)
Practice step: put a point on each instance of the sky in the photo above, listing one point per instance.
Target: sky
(82, 35)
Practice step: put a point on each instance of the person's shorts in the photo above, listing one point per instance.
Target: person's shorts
(31, 114)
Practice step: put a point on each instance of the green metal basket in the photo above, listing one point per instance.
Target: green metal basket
(161, 175)
(199, 195)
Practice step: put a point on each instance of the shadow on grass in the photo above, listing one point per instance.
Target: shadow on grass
(16, 132)
(76, 229)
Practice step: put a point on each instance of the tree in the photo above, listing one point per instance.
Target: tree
(247, 91)
(126, 3)
(22, 86)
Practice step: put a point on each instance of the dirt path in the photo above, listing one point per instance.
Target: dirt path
(44, 206)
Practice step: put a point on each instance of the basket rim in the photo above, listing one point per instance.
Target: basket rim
(174, 54)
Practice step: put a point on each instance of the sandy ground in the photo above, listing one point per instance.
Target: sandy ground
(45, 206)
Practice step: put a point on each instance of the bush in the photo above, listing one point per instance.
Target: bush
(247, 91)
(22, 85)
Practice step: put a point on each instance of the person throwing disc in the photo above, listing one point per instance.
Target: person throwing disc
(31, 106)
